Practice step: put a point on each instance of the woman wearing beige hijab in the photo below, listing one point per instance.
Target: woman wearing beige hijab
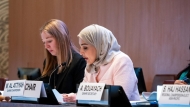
(105, 62)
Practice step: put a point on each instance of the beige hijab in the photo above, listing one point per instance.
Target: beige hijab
(105, 43)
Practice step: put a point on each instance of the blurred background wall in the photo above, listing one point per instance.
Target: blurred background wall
(4, 32)
(154, 33)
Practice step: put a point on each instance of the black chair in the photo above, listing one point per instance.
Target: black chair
(2, 83)
(140, 77)
(160, 79)
(28, 73)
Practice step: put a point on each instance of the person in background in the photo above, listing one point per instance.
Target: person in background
(60, 50)
(105, 62)
(183, 76)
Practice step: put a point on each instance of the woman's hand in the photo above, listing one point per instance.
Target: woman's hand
(69, 97)
(180, 82)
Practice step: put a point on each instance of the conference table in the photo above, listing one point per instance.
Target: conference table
(11, 104)
(15, 104)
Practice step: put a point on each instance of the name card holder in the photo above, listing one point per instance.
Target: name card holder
(90, 91)
(24, 90)
(175, 95)
(112, 95)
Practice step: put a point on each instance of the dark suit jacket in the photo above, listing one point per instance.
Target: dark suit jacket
(67, 80)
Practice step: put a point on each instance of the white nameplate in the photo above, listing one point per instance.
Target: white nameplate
(90, 91)
(25, 88)
(175, 94)
(14, 88)
(33, 89)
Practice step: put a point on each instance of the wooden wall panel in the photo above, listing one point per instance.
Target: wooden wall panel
(154, 33)
(4, 44)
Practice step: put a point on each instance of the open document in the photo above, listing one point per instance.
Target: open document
(58, 96)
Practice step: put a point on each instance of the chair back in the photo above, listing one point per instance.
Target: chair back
(28, 73)
(140, 77)
(169, 82)
(2, 83)
(160, 78)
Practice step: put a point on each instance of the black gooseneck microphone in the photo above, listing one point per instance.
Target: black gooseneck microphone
(62, 64)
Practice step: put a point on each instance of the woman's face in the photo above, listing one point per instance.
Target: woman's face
(49, 43)
(87, 51)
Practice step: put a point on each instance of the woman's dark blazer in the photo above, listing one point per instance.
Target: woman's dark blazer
(67, 80)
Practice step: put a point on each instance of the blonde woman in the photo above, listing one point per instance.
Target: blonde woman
(59, 49)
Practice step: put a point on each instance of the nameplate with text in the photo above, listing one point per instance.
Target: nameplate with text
(90, 91)
(33, 89)
(175, 94)
(25, 88)
(14, 88)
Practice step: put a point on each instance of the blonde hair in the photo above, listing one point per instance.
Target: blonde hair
(60, 32)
